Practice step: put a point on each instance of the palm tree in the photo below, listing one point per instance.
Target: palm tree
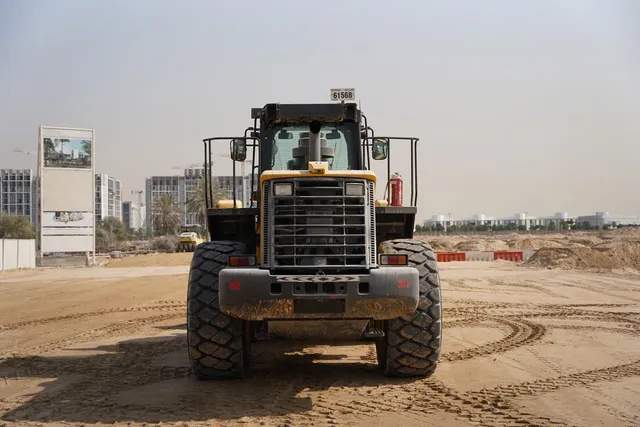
(167, 214)
(197, 202)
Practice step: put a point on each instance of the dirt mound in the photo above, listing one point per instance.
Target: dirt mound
(440, 246)
(531, 243)
(482, 245)
(153, 260)
(610, 256)
(588, 241)
(627, 253)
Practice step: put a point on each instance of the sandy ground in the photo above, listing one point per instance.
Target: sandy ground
(522, 346)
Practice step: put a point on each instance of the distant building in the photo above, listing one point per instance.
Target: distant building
(192, 180)
(226, 184)
(133, 216)
(604, 219)
(183, 188)
(559, 220)
(108, 197)
(18, 193)
(158, 186)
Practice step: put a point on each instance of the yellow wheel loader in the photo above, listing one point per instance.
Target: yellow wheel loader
(313, 246)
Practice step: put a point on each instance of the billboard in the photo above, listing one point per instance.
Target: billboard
(66, 190)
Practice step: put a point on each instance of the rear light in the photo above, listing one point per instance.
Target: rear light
(394, 259)
(241, 260)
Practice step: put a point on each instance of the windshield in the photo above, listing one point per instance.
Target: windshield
(285, 138)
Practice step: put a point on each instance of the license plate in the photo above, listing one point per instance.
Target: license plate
(343, 94)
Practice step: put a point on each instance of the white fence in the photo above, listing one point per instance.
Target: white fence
(17, 254)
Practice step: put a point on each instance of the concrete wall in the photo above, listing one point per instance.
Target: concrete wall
(17, 254)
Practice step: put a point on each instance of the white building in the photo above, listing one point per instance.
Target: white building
(18, 193)
(133, 216)
(108, 197)
(523, 220)
(604, 219)
(185, 187)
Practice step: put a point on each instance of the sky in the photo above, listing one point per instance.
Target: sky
(527, 106)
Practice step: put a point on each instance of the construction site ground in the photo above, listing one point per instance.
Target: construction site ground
(536, 343)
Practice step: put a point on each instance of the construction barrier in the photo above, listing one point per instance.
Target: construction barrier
(508, 255)
(479, 256)
(17, 253)
(484, 256)
(451, 256)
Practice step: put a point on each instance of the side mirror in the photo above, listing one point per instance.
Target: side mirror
(334, 134)
(239, 150)
(284, 134)
(380, 149)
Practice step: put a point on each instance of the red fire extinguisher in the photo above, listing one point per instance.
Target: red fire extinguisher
(395, 188)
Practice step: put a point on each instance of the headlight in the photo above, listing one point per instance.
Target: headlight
(283, 189)
(354, 189)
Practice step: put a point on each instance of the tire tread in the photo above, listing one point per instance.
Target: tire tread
(215, 340)
(412, 343)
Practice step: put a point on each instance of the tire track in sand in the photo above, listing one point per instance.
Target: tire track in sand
(168, 305)
(523, 332)
(111, 330)
(500, 394)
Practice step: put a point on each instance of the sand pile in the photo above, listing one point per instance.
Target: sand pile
(588, 241)
(620, 255)
(627, 253)
(440, 246)
(530, 243)
(482, 245)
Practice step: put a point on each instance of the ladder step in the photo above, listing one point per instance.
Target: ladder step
(373, 333)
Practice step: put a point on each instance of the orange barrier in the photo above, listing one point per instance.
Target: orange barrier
(451, 256)
(508, 255)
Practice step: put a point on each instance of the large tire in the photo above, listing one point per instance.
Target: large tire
(218, 348)
(411, 345)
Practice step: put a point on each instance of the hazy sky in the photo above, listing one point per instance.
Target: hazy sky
(519, 105)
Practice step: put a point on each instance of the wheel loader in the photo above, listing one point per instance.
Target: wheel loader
(314, 246)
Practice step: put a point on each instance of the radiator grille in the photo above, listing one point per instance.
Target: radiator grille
(372, 225)
(265, 224)
(319, 226)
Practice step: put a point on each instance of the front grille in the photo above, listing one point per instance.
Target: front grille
(319, 227)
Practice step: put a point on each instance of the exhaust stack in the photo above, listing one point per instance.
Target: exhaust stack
(315, 145)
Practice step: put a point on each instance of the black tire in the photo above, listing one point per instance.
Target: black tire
(217, 343)
(411, 345)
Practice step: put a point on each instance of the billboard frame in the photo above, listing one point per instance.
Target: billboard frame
(40, 174)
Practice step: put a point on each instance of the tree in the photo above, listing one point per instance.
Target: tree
(49, 148)
(197, 203)
(86, 147)
(109, 231)
(16, 227)
(166, 214)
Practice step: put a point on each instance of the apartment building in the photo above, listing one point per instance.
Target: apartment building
(108, 197)
(183, 188)
(18, 193)
(133, 216)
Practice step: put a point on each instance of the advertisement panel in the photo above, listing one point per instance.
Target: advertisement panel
(66, 190)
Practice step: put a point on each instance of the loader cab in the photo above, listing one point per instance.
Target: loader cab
(285, 132)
